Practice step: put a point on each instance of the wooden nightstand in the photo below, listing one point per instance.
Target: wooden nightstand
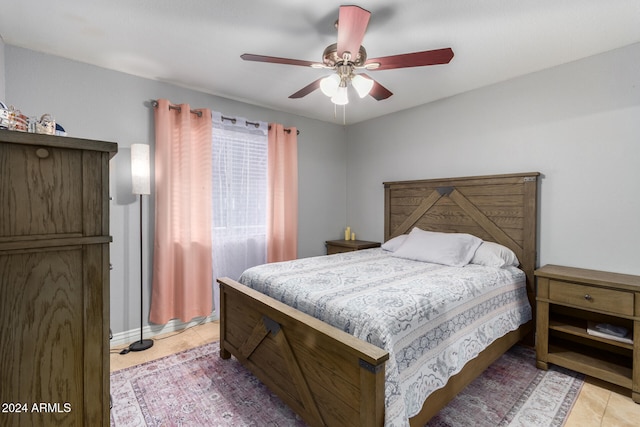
(568, 299)
(338, 246)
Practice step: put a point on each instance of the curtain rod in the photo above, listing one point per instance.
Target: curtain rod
(177, 108)
(255, 124)
(231, 119)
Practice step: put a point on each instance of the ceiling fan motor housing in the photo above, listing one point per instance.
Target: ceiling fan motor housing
(330, 57)
(353, 21)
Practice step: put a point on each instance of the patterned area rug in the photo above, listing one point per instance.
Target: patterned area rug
(513, 392)
(197, 388)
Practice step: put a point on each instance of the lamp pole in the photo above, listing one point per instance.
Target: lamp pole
(141, 184)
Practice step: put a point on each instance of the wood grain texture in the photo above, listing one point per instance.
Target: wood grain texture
(635, 391)
(41, 190)
(346, 391)
(496, 208)
(569, 298)
(41, 338)
(54, 279)
(340, 246)
(312, 366)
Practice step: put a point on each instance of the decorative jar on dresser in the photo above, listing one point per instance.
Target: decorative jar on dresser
(589, 321)
(54, 280)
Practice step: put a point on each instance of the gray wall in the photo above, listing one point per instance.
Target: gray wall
(96, 103)
(578, 124)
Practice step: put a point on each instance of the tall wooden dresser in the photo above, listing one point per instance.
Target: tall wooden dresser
(54, 280)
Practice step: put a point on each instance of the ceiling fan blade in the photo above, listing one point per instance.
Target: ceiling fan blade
(276, 60)
(352, 24)
(378, 91)
(307, 89)
(416, 59)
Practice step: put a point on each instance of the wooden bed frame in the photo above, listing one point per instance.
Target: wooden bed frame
(332, 378)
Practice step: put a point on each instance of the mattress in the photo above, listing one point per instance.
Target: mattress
(431, 319)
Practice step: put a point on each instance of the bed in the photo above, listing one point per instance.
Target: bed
(331, 377)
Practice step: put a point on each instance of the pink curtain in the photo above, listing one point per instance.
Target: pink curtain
(282, 194)
(182, 274)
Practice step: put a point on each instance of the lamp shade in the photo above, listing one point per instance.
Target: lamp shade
(329, 85)
(140, 170)
(362, 85)
(341, 97)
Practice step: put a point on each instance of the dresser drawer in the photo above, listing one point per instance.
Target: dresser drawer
(592, 297)
(45, 182)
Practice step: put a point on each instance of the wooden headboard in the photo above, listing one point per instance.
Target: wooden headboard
(496, 208)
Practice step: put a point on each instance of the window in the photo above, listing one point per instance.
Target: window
(239, 181)
(239, 185)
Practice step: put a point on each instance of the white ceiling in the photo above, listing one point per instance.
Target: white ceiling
(197, 43)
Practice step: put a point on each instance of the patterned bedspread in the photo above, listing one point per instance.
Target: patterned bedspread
(432, 319)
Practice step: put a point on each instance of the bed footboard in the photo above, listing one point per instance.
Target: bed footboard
(327, 376)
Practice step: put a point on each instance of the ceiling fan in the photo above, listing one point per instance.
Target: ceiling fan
(348, 56)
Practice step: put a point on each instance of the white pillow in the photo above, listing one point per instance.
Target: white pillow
(393, 244)
(494, 255)
(453, 249)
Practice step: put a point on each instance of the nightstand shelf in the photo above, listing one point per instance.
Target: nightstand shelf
(567, 300)
(578, 328)
(597, 363)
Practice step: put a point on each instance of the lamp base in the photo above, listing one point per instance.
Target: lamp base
(141, 345)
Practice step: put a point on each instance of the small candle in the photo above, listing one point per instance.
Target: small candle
(353, 236)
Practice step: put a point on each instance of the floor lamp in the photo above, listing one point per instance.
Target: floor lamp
(141, 184)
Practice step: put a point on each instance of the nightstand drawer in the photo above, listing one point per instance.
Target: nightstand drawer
(333, 249)
(591, 297)
(339, 246)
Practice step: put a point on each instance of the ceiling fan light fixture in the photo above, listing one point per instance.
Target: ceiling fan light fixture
(348, 56)
(362, 85)
(329, 85)
(340, 97)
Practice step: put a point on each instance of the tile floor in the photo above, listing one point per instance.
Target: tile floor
(599, 403)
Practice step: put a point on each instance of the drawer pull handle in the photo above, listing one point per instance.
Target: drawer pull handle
(588, 297)
(42, 153)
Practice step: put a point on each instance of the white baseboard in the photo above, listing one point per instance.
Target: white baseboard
(149, 331)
